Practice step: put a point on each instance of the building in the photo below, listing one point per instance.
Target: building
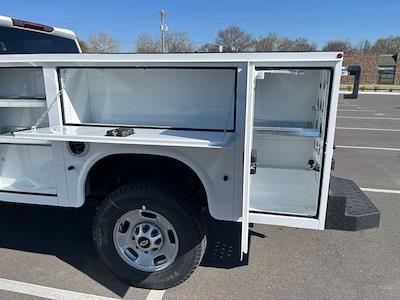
(375, 68)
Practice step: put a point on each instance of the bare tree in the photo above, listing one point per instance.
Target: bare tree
(389, 45)
(174, 42)
(178, 42)
(286, 44)
(302, 44)
(268, 43)
(235, 39)
(146, 44)
(209, 47)
(83, 45)
(364, 46)
(274, 43)
(338, 45)
(102, 43)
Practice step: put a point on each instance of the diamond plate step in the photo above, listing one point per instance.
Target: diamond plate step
(349, 208)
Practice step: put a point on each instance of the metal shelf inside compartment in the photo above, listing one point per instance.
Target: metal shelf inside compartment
(22, 102)
(290, 128)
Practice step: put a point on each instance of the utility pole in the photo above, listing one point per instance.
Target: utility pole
(163, 28)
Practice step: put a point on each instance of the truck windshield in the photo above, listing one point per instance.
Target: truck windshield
(20, 41)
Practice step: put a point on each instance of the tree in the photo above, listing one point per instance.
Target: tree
(274, 43)
(338, 45)
(102, 43)
(389, 45)
(145, 44)
(302, 44)
(178, 42)
(268, 43)
(83, 45)
(235, 39)
(174, 42)
(364, 46)
(210, 47)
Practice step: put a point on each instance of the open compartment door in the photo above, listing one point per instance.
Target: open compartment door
(286, 164)
(247, 163)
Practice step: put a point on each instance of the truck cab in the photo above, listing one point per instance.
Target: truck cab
(24, 37)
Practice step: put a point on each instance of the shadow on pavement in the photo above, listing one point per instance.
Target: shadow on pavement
(61, 232)
(66, 234)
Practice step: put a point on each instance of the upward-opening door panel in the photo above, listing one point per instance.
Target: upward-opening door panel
(167, 106)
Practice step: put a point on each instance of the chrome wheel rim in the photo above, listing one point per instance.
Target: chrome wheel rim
(145, 240)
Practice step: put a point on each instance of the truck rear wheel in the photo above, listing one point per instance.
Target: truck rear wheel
(148, 235)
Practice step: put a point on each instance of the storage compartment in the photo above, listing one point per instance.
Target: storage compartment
(22, 99)
(27, 169)
(289, 131)
(22, 83)
(179, 98)
(23, 168)
(13, 119)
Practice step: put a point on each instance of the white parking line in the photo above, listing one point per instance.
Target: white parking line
(380, 191)
(367, 118)
(360, 110)
(45, 292)
(367, 148)
(368, 129)
(155, 295)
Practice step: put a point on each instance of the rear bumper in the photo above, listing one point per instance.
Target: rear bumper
(349, 208)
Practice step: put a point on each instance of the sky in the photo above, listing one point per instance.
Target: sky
(318, 21)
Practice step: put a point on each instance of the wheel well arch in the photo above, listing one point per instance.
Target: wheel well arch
(114, 170)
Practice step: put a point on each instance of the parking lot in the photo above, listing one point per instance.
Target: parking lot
(48, 252)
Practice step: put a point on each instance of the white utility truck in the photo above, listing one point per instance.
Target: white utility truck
(160, 141)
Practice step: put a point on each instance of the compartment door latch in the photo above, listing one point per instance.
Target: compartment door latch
(253, 162)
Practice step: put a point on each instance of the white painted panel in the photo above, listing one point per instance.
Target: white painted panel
(180, 98)
(28, 198)
(285, 191)
(142, 136)
(282, 151)
(295, 103)
(248, 145)
(26, 168)
(287, 97)
(287, 221)
(21, 83)
(15, 118)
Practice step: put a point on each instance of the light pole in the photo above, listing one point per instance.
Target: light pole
(163, 28)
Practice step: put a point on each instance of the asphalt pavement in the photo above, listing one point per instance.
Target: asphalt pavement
(47, 252)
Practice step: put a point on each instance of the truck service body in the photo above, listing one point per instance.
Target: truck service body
(159, 141)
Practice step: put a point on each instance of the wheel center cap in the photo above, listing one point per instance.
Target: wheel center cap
(144, 243)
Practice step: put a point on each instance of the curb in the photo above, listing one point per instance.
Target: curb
(373, 93)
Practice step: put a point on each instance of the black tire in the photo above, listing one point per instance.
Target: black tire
(166, 201)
